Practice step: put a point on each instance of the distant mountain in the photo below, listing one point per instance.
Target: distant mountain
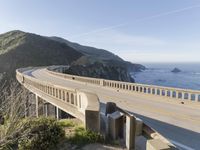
(20, 49)
(92, 55)
(89, 51)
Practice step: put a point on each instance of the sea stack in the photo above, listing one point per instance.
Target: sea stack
(176, 70)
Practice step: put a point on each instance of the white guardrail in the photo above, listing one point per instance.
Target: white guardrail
(81, 104)
(174, 93)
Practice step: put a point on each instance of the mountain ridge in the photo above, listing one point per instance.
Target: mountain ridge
(22, 49)
(92, 55)
(88, 50)
(33, 50)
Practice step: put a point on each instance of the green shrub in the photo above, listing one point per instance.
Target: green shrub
(45, 133)
(67, 123)
(37, 134)
(83, 137)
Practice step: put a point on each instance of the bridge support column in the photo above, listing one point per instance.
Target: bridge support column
(130, 132)
(57, 113)
(46, 109)
(36, 106)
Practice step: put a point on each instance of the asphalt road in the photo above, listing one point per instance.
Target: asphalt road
(178, 122)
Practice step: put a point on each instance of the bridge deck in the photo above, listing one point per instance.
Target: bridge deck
(178, 122)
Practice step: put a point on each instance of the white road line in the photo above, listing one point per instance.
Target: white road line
(184, 147)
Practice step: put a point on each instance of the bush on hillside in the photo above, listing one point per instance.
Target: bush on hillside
(36, 134)
(83, 137)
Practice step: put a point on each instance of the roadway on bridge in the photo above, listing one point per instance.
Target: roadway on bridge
(178, 122)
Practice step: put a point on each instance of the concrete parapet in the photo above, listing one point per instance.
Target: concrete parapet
(91, 106)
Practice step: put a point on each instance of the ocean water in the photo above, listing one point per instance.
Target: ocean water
(160, 74)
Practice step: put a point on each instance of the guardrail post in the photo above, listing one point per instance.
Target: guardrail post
(156, 91)
(177, 94)
(151, 91)
(183, 95)
(130, 132)
(171, 94)
(101, 82)
(196, 97)
(189, 96)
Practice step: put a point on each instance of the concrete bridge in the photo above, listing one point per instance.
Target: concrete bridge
(172, 112)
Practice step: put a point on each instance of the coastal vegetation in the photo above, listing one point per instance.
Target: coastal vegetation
(48, 133)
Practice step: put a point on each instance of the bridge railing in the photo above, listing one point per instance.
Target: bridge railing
(174, 93)
(81, 102)
(169, 92)
(58, 71)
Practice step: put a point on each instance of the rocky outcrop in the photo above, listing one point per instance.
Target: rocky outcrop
(99, 70)
(176, 70)
(92, 54)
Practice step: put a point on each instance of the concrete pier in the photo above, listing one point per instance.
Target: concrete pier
(130, 132)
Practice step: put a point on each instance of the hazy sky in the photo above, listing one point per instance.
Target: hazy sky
(136, 30)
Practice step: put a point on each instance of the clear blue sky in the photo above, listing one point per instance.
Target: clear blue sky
(136, 30)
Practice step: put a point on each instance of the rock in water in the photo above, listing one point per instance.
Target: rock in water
(176, 70)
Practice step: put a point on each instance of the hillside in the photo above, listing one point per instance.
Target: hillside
(20, 49)
(99, 70)
(92, 55)
(89, 51)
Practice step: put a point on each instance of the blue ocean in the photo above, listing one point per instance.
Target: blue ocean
(160, 74)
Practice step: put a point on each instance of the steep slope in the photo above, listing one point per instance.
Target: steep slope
(20, 49)
(92, 55)
(10, 40)
(89, 51)
(99, 70)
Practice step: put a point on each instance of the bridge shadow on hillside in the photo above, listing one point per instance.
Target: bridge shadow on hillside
(178, 135)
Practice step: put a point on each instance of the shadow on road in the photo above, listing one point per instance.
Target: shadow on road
(183, 137)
